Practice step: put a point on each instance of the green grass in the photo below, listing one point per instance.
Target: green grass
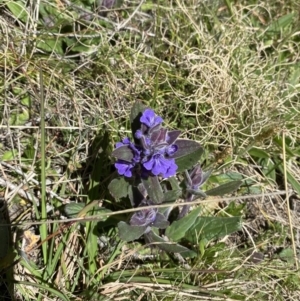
(226, 73)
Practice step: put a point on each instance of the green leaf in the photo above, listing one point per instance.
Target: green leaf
(226, 177)
(129, 233)
(225, 188)
(41, 287)
(154, 189)
(268, 169)
(9, 155)
(259, 153)
(161, 221)
(234, 209)
(188, 154)
(51, 45)
(80, 210)
(169, 247)
(212, 228)
(118, 188)
(29, 151)
(197, 192)
(279, 142)
(172, 195)
(281, 23)
(178, 228)
(72, 209)
(18, 9)
(26, 101)
(287, 255)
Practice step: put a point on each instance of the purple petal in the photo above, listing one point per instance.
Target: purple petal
(149, 164)
(172, 149)
(171, 171)
(125, 141)
(158, 164)
(161, 166)
(124, 168)
(150, 119)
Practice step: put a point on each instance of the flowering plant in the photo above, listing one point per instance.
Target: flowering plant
(148, 167)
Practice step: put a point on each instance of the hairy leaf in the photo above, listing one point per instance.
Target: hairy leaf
(168, 246)
(225, 188)
(161, 222)
(178, 228)
(154, 189)
(212, 228)
(129, 233)
(118, 188)
(188, 154)
(172, 195)
(123, 153)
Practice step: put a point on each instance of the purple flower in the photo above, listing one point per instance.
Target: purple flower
(143, 217)
(153, 152)
(148, 217)
(158, 164)
(150, 119)
(124, 168)
(171, 171)
(196, 177)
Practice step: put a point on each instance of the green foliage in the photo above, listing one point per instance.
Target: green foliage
(208, 227)
(130, 233)
(192, 153)
(118, 188)
(18, 10)
(225, 188)
(169, 246)
(9, 155)
(178, 229)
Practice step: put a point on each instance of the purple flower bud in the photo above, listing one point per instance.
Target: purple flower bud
(196, 177)
(144, 217)
(138, 134)
(171, 150)
(150, 119)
